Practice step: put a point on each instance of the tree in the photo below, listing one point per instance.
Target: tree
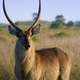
(53, 25)
(34, 15)
(77, 23)
(59, 22)
(70, 24)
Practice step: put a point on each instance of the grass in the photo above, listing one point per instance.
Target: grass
(4, 36)
(35, 38)
(68, 39)
(61, 34)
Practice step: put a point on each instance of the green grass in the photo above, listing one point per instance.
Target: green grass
(35, 38)
(4, 36)
(61, 34)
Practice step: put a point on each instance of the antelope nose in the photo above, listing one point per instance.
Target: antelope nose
(27, 46)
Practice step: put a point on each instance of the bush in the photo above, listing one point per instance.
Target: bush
(61, 34)
(35, 38)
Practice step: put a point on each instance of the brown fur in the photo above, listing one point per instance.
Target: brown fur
(46, 64)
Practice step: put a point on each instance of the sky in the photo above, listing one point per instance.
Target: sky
(21, 10)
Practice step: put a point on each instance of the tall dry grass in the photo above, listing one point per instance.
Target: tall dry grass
(47, 38)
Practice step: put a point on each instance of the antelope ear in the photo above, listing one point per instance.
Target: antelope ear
(14, 31)
(36, 29)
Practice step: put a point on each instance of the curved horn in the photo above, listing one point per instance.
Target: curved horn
(9, 20)
(37, 18)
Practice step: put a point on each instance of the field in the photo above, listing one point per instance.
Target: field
(67, 39)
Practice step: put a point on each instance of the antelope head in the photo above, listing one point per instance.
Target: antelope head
(23, 35)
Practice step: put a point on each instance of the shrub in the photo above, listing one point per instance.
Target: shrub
(61, 34)
(35, 38)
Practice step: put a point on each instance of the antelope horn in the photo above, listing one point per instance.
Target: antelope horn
(38, 16)
(9, 20)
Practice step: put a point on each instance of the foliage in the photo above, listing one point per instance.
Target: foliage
(35, 38)
(77, 23)
(59, 22)
(70, 24)
(61, 34)
(34, 15)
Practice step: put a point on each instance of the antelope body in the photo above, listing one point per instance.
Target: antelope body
(31, 64)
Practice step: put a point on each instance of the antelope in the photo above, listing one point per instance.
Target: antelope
(31, 64)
